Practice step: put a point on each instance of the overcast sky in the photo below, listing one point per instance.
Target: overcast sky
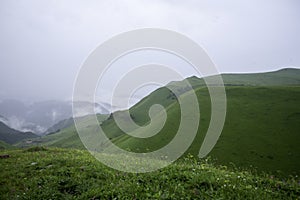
(44, 43)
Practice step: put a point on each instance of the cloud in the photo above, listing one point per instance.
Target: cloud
(22, 125)
(44, 43)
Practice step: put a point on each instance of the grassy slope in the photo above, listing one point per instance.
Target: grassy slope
(60, 125)
(39, 173)
(288, 76)
(261, 129)
(4, 145)
(262, 124)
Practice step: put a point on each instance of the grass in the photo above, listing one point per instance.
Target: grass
(52, 173)
(65, 138)
(4, 145)
(261, 128)
(256, 157)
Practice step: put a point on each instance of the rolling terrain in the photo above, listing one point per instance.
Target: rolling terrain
(256, 157)
(62, 137)
(261, 129)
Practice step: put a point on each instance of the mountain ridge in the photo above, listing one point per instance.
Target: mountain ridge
(12, 136)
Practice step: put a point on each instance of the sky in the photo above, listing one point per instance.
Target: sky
(43, 44)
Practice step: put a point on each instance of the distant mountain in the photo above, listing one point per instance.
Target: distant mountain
(64, 137)
(3, 119)
(59, 126)
(38, 117)
(12, 136)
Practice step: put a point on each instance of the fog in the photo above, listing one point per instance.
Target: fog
(44, 43)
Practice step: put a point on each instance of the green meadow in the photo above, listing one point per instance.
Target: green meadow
(256, 157)
(53, 173)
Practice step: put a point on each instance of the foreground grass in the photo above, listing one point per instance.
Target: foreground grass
(52, 173)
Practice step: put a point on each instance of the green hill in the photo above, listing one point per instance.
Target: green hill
(261, 129)
(286, 76)
(60, 125)
(4, 145)
(64, 138)
(262, 123)
(42, 173)
(12, 136)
